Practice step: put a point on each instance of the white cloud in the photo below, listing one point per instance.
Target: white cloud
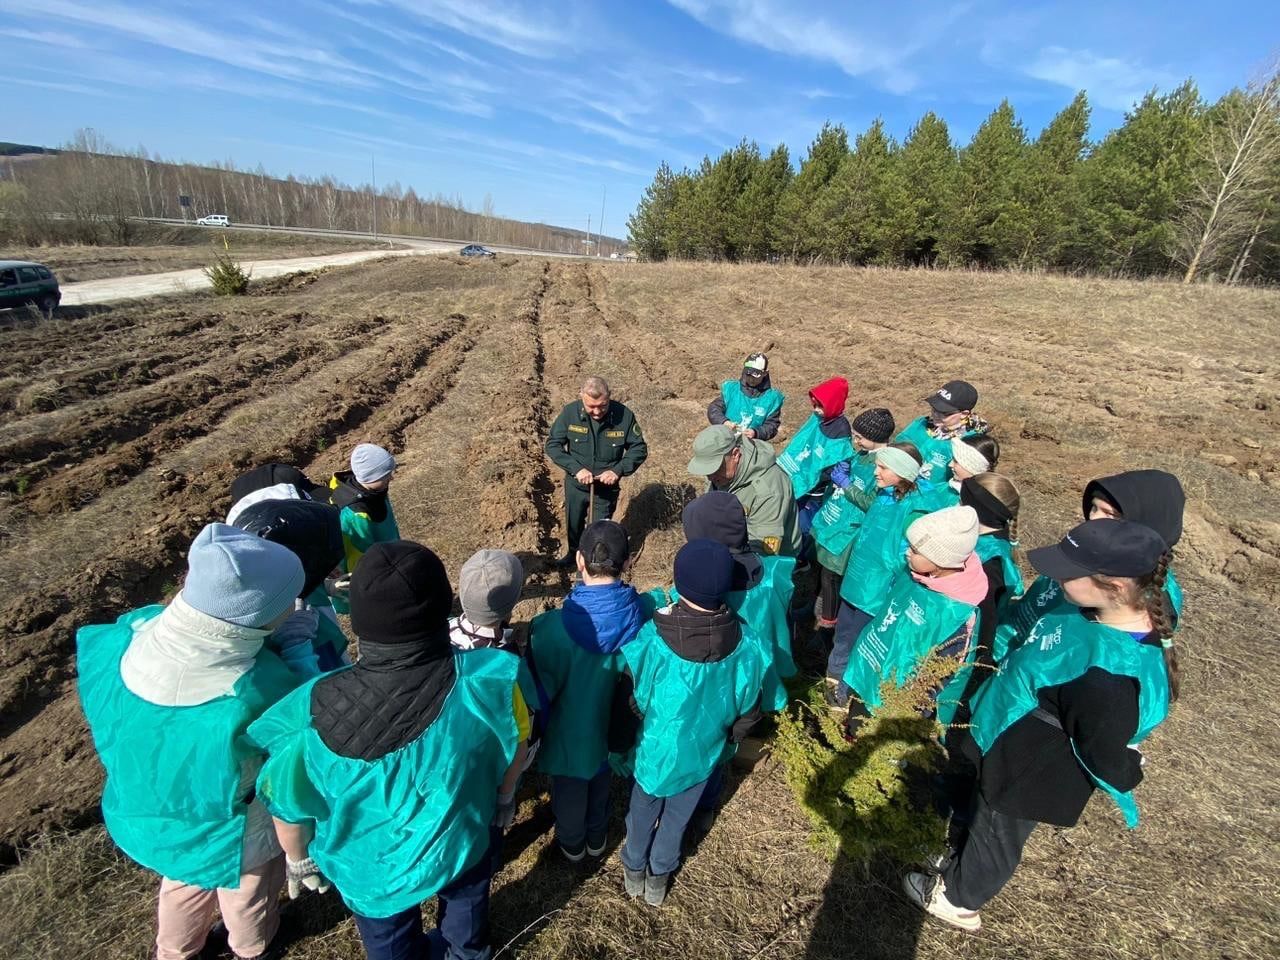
(1110, 81)
(76, 88)
(498, 23)
(787, 28)
(49, 38)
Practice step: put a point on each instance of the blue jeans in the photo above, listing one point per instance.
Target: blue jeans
(710, 798)
(850, 622)
(462, 928)
(658, 850)
(581, 809)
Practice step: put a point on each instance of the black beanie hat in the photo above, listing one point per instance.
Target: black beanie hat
(704, 573)
(400, 594)
(876, 425)
(313, 531)
(718, 516)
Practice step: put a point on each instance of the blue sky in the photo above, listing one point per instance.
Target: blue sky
(545, 105)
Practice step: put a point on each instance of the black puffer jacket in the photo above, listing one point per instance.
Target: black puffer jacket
(400, 601)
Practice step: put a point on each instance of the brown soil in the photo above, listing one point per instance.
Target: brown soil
(121, 430)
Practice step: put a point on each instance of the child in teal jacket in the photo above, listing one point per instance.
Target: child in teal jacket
(168, 693)
(693, 686)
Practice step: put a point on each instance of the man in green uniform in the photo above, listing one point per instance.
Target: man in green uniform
(596, 442)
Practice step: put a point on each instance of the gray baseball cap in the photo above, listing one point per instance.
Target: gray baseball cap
(710, 447)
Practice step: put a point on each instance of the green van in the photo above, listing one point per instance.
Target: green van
(23, 283)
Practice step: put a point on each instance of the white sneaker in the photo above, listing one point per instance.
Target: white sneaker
(930, 895)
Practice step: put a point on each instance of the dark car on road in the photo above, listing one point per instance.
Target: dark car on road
(475, 250)
(23, 283)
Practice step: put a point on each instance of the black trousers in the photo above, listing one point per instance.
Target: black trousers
(987, 854)
(577, 499)
(829, 592)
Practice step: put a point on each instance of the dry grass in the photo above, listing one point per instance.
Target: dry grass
(177, 249)
(459, 370)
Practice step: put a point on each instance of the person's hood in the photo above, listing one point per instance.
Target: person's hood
(271, 474)
(313, 531)
(748, 569)
(347, 491)
(968, 586)
(766, 384)
(1152, 498)
(697, 636)
(183, 658)
(277, 491)
(831, 395)
(757, 457)
(601, 618)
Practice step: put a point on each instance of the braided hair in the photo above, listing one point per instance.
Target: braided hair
(1155, 599)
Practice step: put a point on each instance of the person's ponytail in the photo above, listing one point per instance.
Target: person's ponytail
(1160, 609)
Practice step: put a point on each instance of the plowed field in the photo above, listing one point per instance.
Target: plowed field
(121, 430)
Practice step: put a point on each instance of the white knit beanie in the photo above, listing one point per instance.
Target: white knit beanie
(947, 537)
(969, 456)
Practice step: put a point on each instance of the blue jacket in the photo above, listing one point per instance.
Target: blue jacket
(601, 618)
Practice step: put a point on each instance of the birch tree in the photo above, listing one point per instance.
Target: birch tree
(1240, 148)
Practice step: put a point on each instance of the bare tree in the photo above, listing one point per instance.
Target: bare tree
(1241, 147)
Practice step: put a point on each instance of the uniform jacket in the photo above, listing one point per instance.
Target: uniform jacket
(614, 443)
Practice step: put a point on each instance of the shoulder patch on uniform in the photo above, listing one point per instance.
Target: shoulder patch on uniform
(578, 428)
(636, 428)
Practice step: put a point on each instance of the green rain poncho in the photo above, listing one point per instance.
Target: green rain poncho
(1062, 647)
(689, 709)
(172, 799)
(748, 413)
(391, 832)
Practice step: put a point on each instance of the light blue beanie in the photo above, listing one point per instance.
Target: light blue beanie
(239, 578)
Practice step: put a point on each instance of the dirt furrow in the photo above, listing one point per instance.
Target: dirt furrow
(102, 376)
(201, 410)
(143, 564)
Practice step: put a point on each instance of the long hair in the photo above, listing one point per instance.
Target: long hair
(1004, 490)
(1151, 597)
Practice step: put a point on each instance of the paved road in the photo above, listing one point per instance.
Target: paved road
(187, 281)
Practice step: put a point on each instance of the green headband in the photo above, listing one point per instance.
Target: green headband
(899, 461)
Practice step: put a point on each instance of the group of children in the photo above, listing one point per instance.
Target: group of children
(1043, 691)
(245, 751)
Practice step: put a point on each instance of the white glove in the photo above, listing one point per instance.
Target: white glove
(505, 813)
(304, 874)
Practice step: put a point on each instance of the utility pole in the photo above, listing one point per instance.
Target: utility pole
(600, 229)
(373, 167)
